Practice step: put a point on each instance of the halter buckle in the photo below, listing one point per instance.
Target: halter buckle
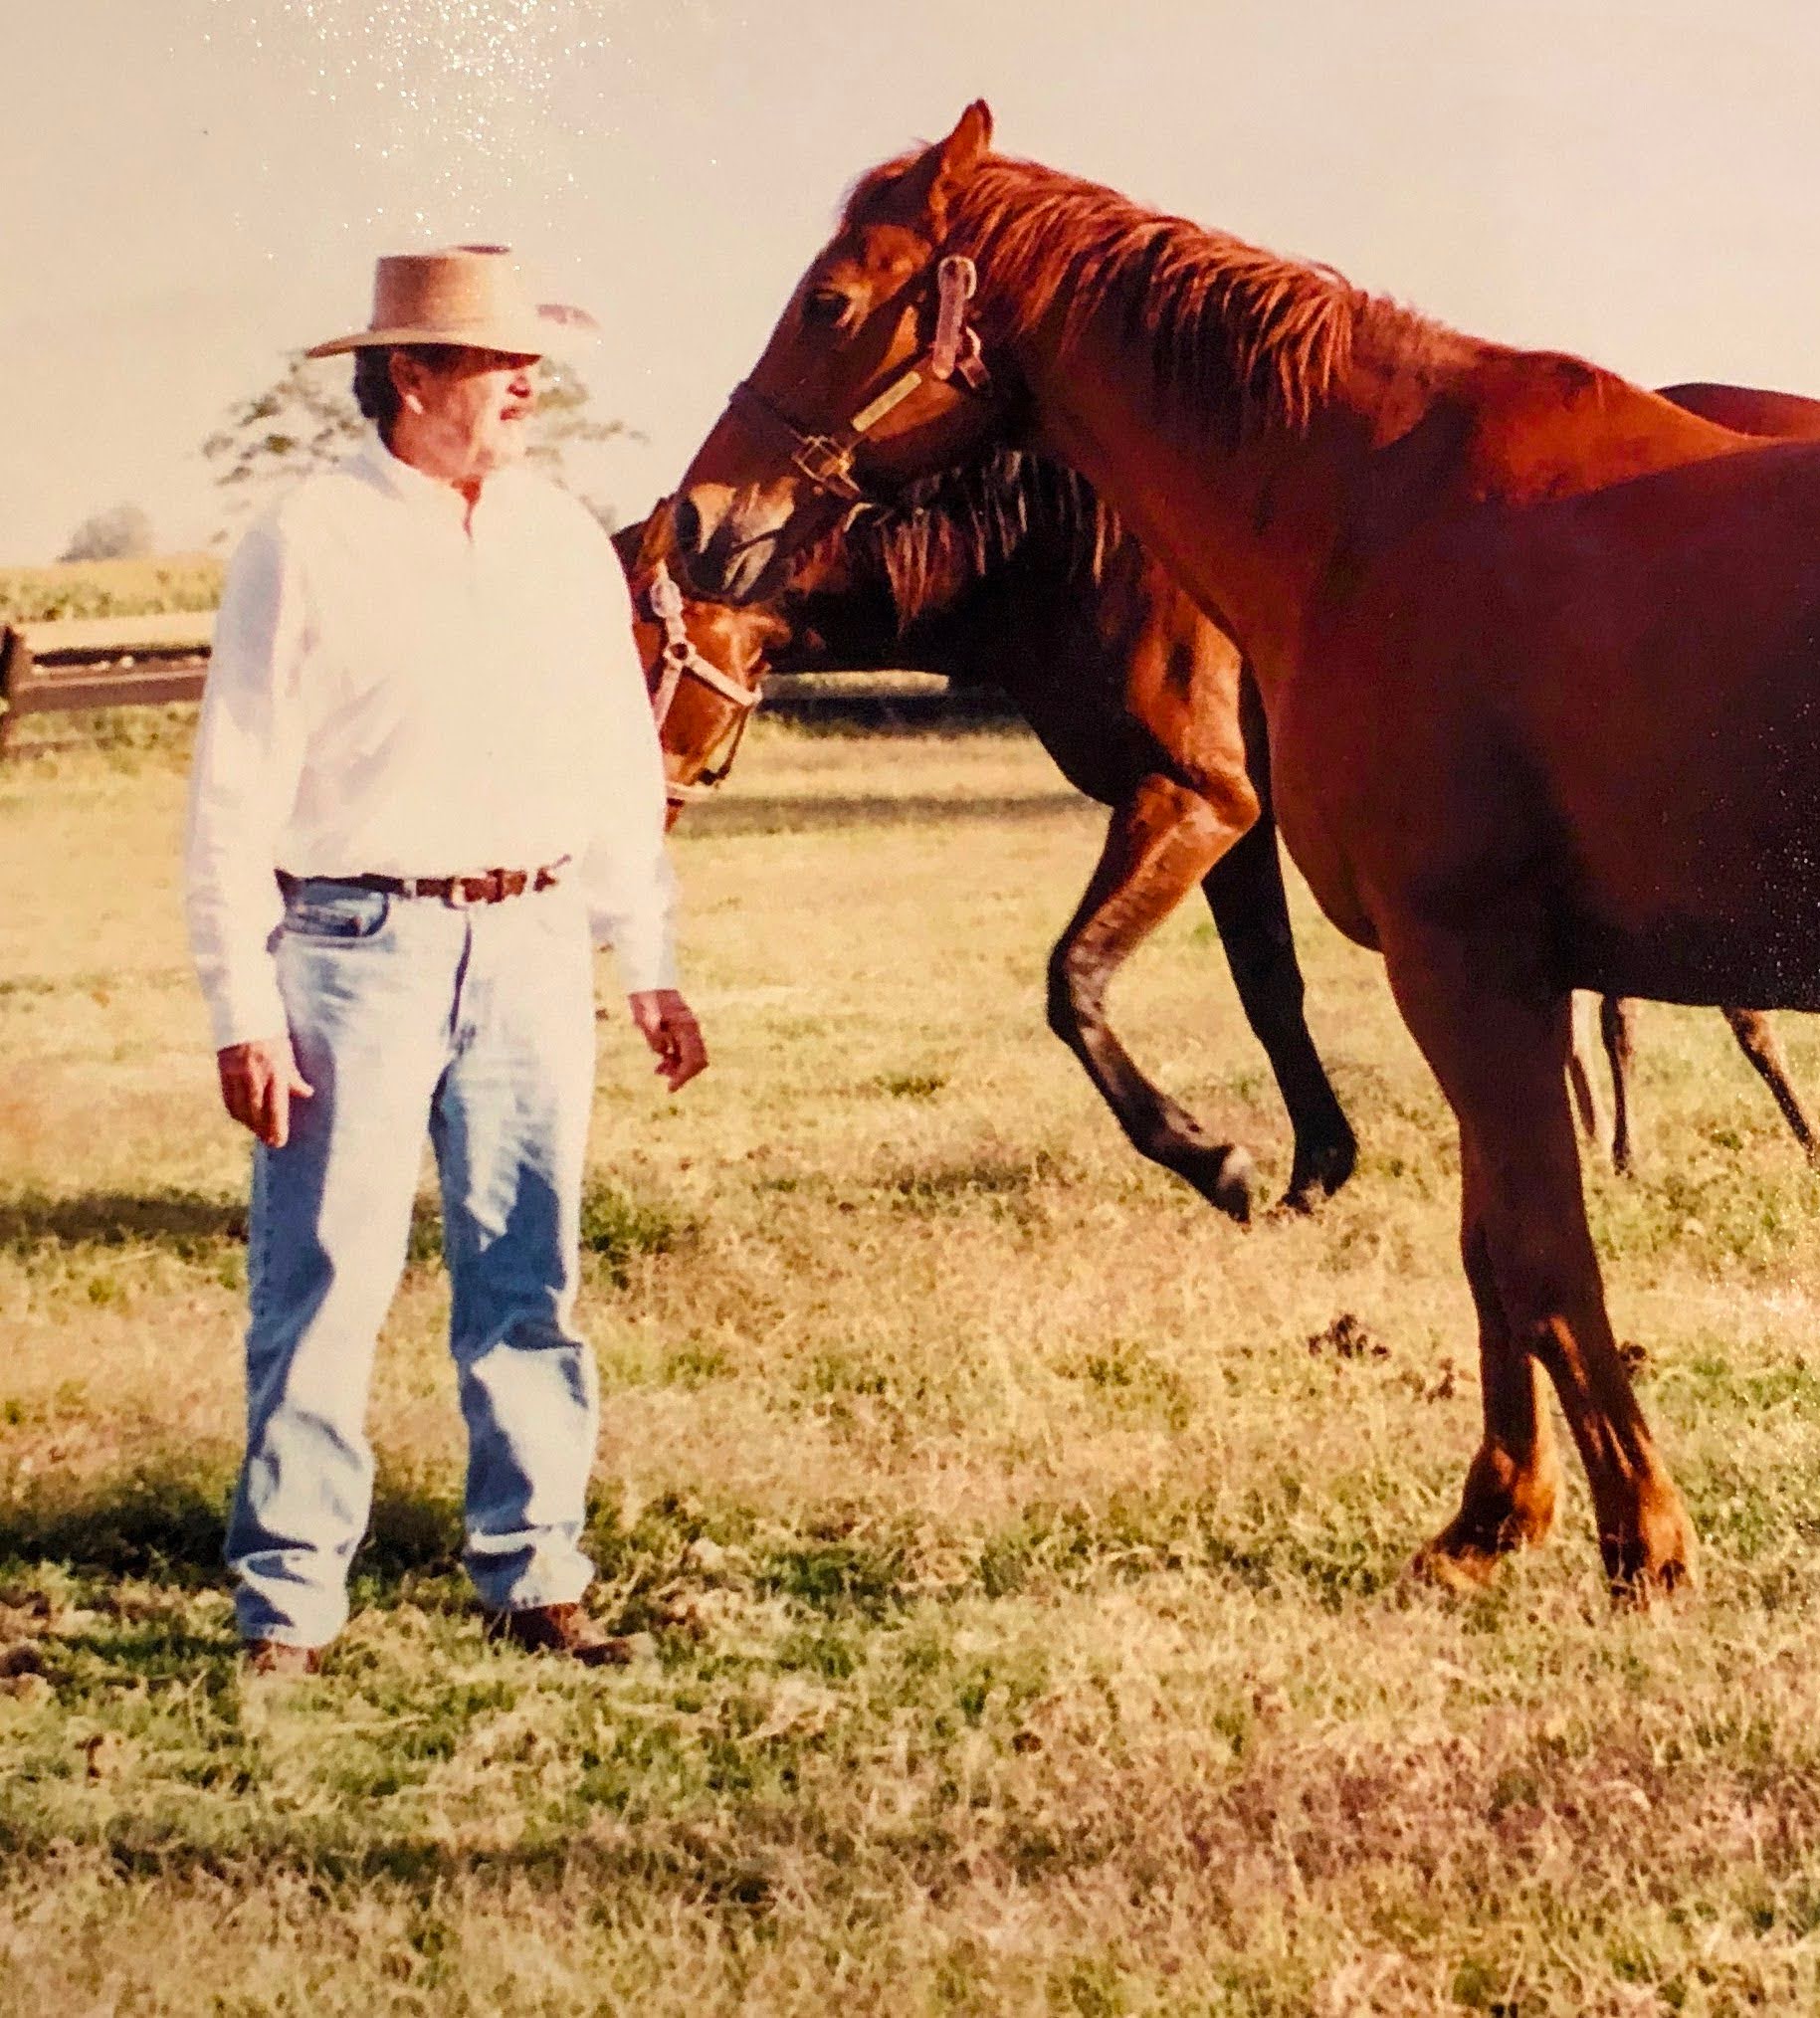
(827, 464)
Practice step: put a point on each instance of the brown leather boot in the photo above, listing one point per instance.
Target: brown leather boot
(279, 1657)
(560, 1629)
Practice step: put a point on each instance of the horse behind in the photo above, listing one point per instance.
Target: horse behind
(1011, 571)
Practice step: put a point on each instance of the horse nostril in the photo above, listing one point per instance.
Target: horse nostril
(687, 520)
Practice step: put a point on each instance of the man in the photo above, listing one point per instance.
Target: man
(425, 768)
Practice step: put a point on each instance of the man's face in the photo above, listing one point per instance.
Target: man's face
(465, 413)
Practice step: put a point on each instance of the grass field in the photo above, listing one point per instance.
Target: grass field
(109, 588)
(1014, 1549)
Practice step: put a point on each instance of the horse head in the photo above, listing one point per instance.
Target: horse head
(873, 375)
(705, 662)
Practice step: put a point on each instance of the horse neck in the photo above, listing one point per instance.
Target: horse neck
(898, 594)
(1247, 526)
(840, 624)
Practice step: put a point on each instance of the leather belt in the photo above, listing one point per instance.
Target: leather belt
(490, 886)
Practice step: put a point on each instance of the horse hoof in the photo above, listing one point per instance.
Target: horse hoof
(1450, 1568)
(1225, 1179)
(1653, 1566)
(1317, 1173)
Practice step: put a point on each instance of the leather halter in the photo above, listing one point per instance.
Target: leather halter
(826, 461)
(679, 657)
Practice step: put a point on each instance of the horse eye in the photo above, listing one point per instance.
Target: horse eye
(828, 307)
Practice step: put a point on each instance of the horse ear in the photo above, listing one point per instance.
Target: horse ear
(935, 178)
(629, 540)
(969, 142)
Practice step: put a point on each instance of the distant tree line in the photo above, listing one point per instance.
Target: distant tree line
(122, 533)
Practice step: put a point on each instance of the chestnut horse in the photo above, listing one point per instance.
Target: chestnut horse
(1012, 572)
(1537, 650)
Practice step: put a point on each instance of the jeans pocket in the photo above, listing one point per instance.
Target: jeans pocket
(335, 916)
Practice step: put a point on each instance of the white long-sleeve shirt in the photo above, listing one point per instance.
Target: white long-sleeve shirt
(391, 693)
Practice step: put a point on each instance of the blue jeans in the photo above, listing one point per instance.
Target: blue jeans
(479, 1025)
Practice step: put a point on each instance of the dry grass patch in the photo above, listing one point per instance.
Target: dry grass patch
(1013, 1549)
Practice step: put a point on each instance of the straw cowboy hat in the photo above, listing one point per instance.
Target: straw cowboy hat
(470, 295)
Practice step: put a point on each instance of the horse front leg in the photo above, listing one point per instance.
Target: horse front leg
(1511, 1486)
(1757, 1040)
(1497, 1043)
(1160, 842)
(1244, 892)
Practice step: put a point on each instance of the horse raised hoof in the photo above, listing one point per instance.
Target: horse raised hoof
(1225, 1176)
(1317, 1173)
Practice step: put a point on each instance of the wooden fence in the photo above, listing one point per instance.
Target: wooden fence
(126, 661)
(102, 662)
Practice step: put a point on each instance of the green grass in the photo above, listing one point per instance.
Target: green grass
(109, 588)
(1013, 1551)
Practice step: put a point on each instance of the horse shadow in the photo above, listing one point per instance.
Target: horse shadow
(187, 1224)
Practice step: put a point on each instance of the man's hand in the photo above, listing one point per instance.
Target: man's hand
(258, 1080)
(666, 1024)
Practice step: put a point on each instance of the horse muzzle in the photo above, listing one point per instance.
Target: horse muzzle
(723, 552)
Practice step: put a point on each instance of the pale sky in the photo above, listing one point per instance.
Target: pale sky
(190, 188)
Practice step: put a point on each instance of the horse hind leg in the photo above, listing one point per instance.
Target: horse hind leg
(1580, 1074)
(1757, 1040)
(1245, 893)
(1160, 842)
(1618, 1026)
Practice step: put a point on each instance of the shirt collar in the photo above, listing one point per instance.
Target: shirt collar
(408, 483)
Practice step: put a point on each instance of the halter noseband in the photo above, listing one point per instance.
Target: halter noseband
(826, 461)
(665, 602)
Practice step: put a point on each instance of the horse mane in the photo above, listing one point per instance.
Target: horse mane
(1247, 334)
(944, 534)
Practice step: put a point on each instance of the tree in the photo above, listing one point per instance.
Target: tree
(305, 420)
(122, 533)
(301, 423)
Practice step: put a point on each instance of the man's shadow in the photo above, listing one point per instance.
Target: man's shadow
(162, 1515)
(187, 1224)
(166, 1519)
(181, 1221)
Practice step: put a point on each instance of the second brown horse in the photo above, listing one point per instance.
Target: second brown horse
(1012, 572)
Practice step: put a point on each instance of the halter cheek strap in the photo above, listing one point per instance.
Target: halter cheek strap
(956, 351)
(665, 602)
(826, 461)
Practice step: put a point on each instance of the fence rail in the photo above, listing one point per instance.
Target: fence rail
(130, 662)
(103, 662)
